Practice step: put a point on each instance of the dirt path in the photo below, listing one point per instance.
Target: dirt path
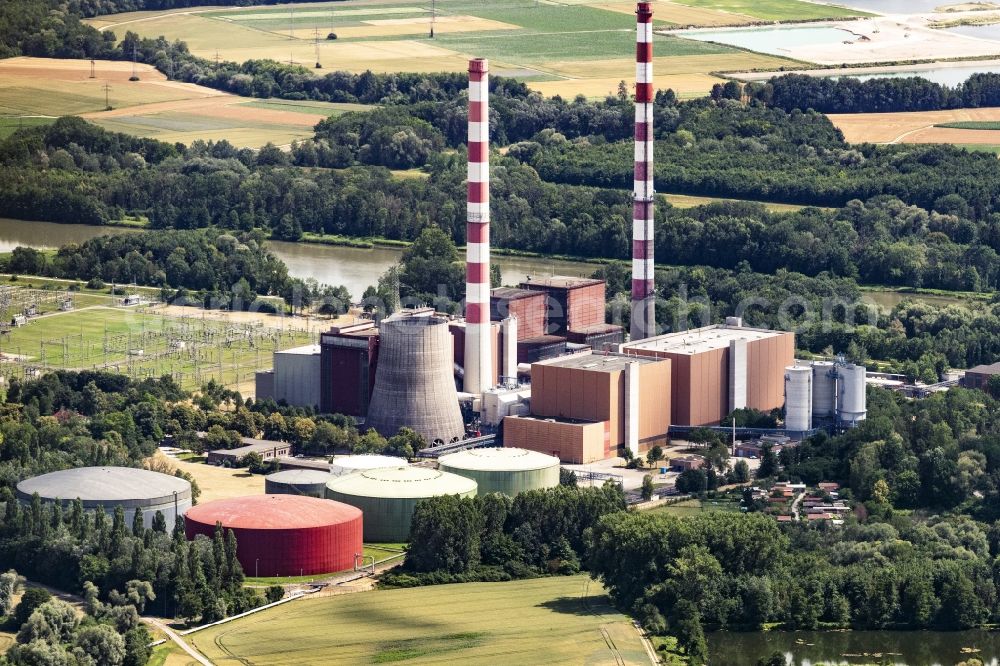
(172, 635)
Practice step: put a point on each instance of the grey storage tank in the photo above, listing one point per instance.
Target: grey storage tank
(414, 383)
(502, 470)
(387, 497)
(110, 487)
(307, 482)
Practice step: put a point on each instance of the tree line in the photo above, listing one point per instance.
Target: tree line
(847, 94)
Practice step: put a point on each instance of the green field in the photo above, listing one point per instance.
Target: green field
(10, 125)
(972, 125)
(775, 10)
(308, 107)
(693, 507)
(980, 147)
(560, 620)
(144, 344)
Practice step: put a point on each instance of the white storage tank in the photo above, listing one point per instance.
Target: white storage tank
(798, 398)
(824, 390)
(348, 464)
(853, 394)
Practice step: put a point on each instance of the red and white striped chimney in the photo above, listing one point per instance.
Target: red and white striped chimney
(643, 321)
(478, 347)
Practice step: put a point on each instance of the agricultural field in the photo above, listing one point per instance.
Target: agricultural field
(37, 90)
(140, 342)
(775, 10)
(559, 620)
(566, 48)
(693, 507)
(958, 126)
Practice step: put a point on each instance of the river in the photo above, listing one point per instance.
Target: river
(899, 648)
(355, 268)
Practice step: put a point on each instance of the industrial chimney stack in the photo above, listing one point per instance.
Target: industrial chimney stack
(478, 347)
(643, 321)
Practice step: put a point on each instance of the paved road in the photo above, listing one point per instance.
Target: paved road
(795, 505)
(172, 635)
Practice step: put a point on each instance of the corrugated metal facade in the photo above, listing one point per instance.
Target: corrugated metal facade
(347, 373)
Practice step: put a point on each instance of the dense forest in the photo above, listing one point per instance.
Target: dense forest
(98, 7)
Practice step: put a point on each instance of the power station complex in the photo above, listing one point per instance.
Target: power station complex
(538, 362)
(535, 365)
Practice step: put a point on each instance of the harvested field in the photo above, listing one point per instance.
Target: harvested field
(917, 127)
(152, 107)
(685, 85)
(682, 16)
(558, 620)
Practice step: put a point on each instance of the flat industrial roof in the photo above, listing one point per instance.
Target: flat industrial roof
(561, 282)
(598, 361)
(306, 350)
(514, 293)
(700, 340)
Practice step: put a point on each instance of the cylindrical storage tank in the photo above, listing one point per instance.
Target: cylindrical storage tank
(824, 390)
(110, 487)
(306, 482)
(388, 496)
(853, 394)
(798, 398)
(284, 535)
(508, 471)
(414, 383)
(349, 464)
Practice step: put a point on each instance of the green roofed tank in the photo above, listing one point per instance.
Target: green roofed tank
(388, 496)
(508, 471)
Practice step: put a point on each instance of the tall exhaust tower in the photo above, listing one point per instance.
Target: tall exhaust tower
(643, 321)
(478, 348)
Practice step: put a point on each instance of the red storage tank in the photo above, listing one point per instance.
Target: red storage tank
(283, 535)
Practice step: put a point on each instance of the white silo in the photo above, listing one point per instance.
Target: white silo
(824, 390)
(853, 394)
(798, 398)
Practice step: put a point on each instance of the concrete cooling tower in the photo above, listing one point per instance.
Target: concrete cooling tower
(413, 384)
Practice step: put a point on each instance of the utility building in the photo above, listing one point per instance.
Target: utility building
(348, 357)
(717, 369)
(587, 406)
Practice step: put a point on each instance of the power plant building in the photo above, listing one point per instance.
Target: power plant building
(586, 406)
(110, 487)
(294, 377)
(718, 369)
(348, 359)
(504, 470)
(305, 482)
(414, 383)
(388, 496)
(284, 535)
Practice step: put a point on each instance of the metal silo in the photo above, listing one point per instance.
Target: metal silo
(387, 497)
(798, 398)
(307, 482)
(508, 471)
(414, 384)
(824, 390)
(853, 394)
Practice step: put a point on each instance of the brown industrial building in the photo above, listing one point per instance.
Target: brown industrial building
(527, 305)
(585, 407)
(573, 304)
(979, 376)
(717, 369)
(348, 357)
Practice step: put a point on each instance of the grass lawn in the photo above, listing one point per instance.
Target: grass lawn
(379, 551)
(981, 147)
(693, 507)
(775, 10)
(561, 620)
